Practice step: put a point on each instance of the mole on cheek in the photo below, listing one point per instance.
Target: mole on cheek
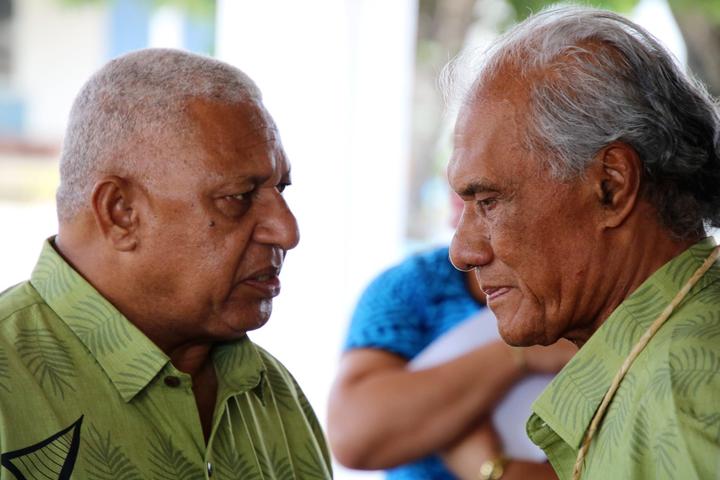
(212, 223)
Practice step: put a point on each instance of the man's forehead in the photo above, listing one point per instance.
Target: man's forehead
(488, 132)
(240, 125)
(248, 114)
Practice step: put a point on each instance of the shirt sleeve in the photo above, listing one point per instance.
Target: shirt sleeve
(390, 313)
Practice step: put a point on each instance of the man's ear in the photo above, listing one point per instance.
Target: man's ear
(616, 179)
(115, 213)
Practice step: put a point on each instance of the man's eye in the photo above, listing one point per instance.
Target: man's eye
(282, 186)
(486, 204)
(240, 196)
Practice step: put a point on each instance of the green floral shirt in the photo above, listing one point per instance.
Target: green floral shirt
(85, 395)
(664, 420)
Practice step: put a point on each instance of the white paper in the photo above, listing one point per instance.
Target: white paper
(513, 411)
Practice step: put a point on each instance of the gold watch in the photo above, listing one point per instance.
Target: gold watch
(493, 469)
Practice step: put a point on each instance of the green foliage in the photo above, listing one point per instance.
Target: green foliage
(524, 8)
(200, 9)
(708, 8)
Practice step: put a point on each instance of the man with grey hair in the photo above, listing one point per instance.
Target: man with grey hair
(589, 165)
(126, 356)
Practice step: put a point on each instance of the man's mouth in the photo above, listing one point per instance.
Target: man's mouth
(266, 281)
(263, 278)
(493, 293)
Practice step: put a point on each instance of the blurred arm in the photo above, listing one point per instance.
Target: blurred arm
(465, 457)
(382, 415)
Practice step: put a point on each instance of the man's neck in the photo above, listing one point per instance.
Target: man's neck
(193, 359)
(74, 245)
(631, 261)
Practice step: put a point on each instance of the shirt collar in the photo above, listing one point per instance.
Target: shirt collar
(126, 355)
(239, 368)
(569, 402)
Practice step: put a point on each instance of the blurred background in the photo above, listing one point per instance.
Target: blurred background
(352, 87)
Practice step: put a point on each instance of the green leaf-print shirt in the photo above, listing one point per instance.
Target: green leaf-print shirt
(85, 395)
(664, 420)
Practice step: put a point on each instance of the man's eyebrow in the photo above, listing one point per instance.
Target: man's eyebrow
(241, 179)
(478, 186)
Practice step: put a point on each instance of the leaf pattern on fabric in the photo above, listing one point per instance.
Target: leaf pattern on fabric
(707, 296)
(283, 468)
(615, 422)
(660, 384)
(57, 277)
(583, 376)
(313, 450)
(229, 357)
(168, 462)
(47, 358)
(4, 371)
(278, 465)
(280, 388)
(100, 327)
(643, 309)
(706, 325)
(682, 268)
(305, 406)
(263, 460)
(106, 461)
(711, 423)
(308, 466)
(665, 449)
(640, 437)
(693, 367)
(138, 372)
(230, 464)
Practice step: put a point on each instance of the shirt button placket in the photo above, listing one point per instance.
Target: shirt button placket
(210, 469)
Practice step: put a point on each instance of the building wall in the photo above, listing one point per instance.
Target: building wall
(55, 49)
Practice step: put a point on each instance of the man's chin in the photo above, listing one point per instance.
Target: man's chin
(518, 333)
(235, 324)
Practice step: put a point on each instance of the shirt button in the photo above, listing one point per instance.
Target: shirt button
(210, 469)
(172, 381)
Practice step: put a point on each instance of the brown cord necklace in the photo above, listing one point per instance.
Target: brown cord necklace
(639, 346)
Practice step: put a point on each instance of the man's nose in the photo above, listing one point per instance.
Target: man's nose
(277, 225)
(470, 247)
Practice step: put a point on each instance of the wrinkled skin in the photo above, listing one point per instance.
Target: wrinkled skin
(216, 228)
(531, 236)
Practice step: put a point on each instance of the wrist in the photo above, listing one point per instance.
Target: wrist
(493, 468)
(519, 359)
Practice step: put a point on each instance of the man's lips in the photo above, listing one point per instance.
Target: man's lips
(493, 293)
(265, 280)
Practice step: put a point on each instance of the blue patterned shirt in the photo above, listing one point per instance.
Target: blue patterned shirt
(402, 312)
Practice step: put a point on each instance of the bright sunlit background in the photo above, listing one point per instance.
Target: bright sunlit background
(351, 84)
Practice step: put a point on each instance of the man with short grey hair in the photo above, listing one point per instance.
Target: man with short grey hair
(126, 355)
(589, 164)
